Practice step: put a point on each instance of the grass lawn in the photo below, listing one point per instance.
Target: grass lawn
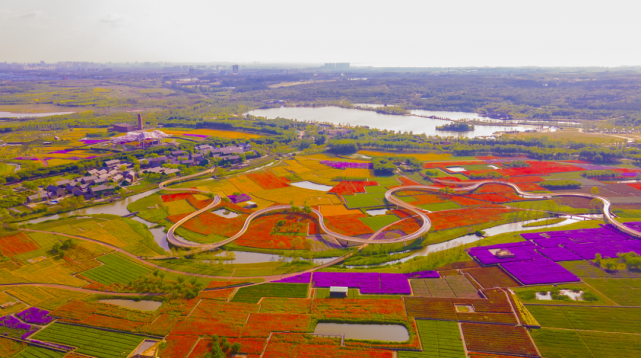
(364, 200)
(624, 291)
(352, 293)
(615, 319)
(438, 339)
(116, 269)
(144, 203)
(253, 294)
(447, 205)
(379, 222)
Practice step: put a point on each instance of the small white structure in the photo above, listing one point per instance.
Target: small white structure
(338, 291)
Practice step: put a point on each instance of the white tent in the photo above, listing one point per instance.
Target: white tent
(139, 137)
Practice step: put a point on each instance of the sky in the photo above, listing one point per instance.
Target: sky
(424, 33)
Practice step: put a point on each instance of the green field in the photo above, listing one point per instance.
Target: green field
(375, 189)
(116, 269)
(364, 200)
(387, 181)
(90, 341)
(590, 296)
(253, 294)
(353, 293)
(440, 339)
(447, 205)
(625, 320)
(547, 205)
(379, 222)
(38, 352)
(623, 291)
(555, 343)
(144, 203)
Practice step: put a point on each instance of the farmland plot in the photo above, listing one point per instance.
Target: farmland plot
(90, 341)
(439, 339)
(253, 294)
(116, 269)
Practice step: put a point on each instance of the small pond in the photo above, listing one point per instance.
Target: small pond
(574, 295)
(374, 332)
(377, 212)
(225, 213)
(143, 305)
(456, 169)
(312, 186)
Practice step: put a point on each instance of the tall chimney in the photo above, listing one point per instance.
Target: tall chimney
(139, 122)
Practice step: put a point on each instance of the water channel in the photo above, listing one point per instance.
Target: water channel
(468, 239)
(374, 332)
(356, 117)
(116, 208)
(30, 115)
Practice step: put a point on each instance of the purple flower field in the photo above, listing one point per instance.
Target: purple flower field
(15, 324)
(239, 198)
(94, 141)
(345, 165)
(302, 278)
(368, 283)
(36, 316)
(534, 260)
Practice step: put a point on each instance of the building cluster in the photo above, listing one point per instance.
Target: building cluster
(95, 184)
(340, 66)
(101, 182)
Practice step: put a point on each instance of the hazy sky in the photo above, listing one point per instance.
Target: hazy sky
(380, 33)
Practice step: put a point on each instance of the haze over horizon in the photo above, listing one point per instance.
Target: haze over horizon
(399, 34)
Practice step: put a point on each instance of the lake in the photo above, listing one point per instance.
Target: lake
(374, 332)
(355, 117)
(29, 115)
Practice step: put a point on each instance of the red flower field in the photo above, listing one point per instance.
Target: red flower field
(16, 244)
(262, 324)
(351, 187)
(267, 180)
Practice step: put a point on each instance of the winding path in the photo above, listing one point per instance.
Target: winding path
(389, 196)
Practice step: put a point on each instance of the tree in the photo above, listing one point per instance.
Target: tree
(595, 190)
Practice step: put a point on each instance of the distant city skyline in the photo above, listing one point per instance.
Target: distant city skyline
(364, 33)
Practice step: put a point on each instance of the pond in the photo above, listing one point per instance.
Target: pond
(372, 119)
(312, 186)
(116, 208)
(225, 213)
(29, 115)
(142, 305)
(377, 212)
(374, 332)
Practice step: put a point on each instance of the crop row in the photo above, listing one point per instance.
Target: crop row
(116, 270)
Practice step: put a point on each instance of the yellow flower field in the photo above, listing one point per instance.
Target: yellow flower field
(298, 195)
(244, 184)
(337, 210)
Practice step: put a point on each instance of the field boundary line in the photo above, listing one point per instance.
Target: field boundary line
(460, 330)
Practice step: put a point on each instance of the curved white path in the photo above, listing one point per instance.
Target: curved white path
(389, 196)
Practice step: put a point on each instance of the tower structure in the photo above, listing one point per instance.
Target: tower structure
(139, 122)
